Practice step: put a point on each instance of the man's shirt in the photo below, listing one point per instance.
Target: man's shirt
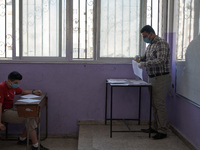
(7, 95)
(157, 57)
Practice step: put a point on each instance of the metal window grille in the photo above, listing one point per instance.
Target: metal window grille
(120, 26)
(185, 27)
(6, 29)
(83, 29)
(43, 31)
(156, 9)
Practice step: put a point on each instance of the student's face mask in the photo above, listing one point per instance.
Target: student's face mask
(147, 39)
(13, 85)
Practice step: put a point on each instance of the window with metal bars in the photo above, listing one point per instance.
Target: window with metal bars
(187, 25)
(66, 30)
(120, 28)
(83, 29)
(6, 29)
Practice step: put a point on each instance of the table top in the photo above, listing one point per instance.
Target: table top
(128, 83)
(42, 96)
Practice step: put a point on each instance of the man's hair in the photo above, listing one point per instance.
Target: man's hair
(148, 29)
(14, 76)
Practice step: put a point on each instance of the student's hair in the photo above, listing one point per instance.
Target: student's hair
(14, 76)
(148, 29)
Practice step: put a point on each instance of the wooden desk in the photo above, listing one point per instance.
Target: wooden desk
(33, 110)
(129, 83)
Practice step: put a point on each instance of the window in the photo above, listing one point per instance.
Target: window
(83, 29)
(185, 26)
(66, 30)
(155, 16)
(6, 29)
(120, 28)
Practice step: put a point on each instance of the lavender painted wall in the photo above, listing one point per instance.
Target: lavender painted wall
(77, 92)
(183, 115)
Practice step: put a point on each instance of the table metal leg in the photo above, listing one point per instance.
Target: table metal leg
(106, 106)
(139, 105)
(111, 113)
(150, 111)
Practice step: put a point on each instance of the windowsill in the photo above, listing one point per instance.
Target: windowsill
(78, 61)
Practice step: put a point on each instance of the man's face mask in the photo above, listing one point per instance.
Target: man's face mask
(147, 39)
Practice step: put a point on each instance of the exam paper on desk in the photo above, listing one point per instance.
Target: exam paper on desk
(137, 71)
(28, 100)
(30, 96)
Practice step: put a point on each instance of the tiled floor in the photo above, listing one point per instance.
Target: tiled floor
(97, 137)
(51, 143)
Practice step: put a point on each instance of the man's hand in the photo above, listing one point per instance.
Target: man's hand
(2, 127)
(37, 92)
(136, 58)
(142, 64)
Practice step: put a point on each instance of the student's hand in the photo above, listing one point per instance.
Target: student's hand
(142, 64)
(2, 127)
(37, 92)
(136, 58)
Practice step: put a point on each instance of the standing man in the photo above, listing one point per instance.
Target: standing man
(157, 62)
(8, 114)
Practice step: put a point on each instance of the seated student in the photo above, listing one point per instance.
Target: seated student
(8, 114)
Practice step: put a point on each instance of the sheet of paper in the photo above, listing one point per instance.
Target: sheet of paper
(117, 81)
(137, 82)
(30, 96)
(28, 100)
(137, 71)
(119, 84)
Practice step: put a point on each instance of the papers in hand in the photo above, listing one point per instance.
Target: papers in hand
(137, 71)
(28, 100)
(30, 96)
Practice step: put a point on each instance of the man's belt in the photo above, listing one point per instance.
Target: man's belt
(158, 74)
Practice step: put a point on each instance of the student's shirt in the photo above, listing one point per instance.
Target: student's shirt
(7, 95)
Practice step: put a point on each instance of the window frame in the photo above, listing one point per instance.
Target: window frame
(69, 41)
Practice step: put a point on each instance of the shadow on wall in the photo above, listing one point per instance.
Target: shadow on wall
(188, 71)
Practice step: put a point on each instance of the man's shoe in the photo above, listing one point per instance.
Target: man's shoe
(24, 142)
(147, 130)
(41, 148)
(159, 136)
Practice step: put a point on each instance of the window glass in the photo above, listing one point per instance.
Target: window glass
(44, 28)
(120, 28)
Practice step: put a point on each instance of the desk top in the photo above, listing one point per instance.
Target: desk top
(127, 83)
(42, 96)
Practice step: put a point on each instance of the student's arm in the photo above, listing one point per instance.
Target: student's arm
(2, 127)
(37, 92)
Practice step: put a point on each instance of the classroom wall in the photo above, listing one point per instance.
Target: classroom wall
(182, 115)
(77, 92)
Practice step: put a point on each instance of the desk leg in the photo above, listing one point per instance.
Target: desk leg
(27, 142)
(106, 106)
(150, 111)
(111, 112)
(46, 118)
(39, 131)
(139, 105)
